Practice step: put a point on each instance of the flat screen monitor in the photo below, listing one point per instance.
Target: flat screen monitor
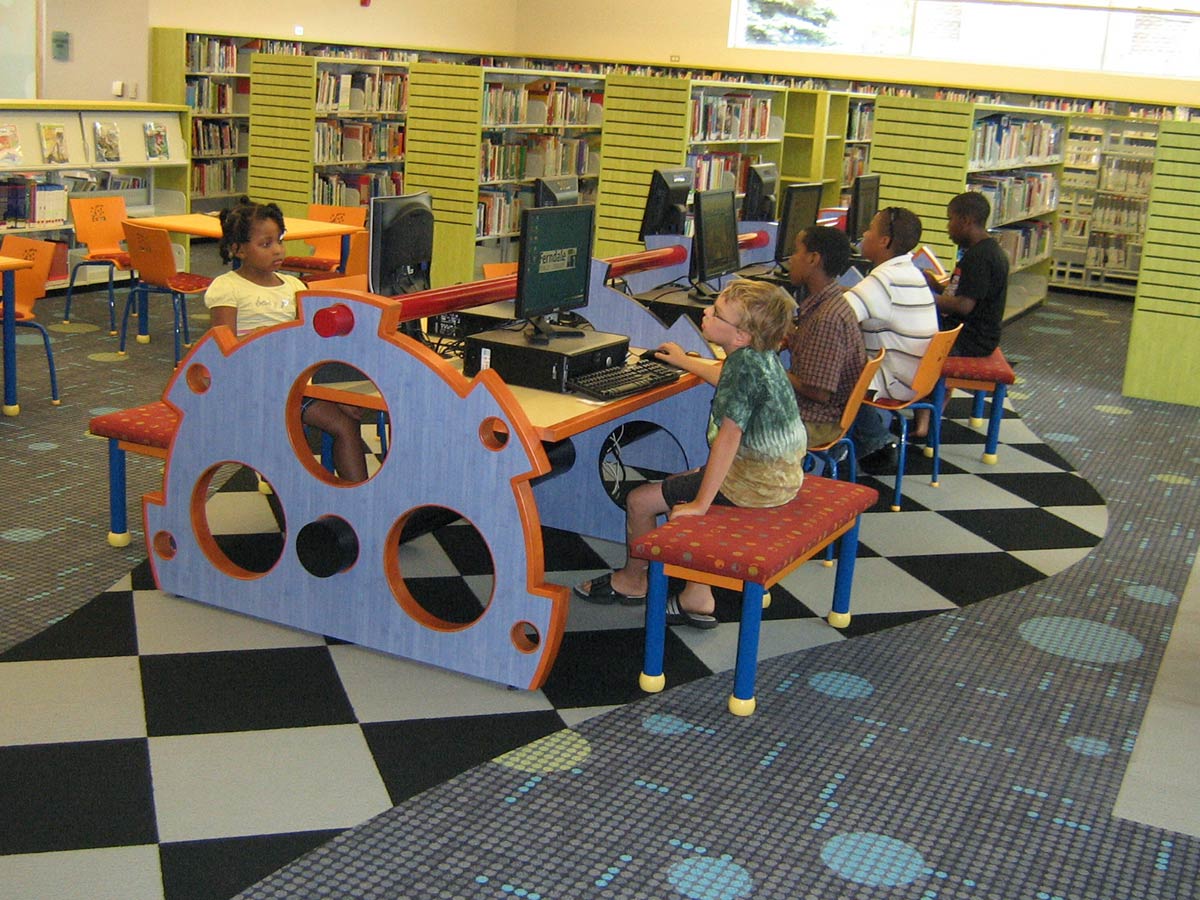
(715, 241)
(864, 203)
(801, 204)
(666, 202)
(555, 191)
(553, 266)
(758, 203)
(401, 251)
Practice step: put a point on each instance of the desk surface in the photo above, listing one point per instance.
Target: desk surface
(12, 263)
(202, 225)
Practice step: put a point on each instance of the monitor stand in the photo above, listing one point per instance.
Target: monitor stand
(702, 292)
(540, 331)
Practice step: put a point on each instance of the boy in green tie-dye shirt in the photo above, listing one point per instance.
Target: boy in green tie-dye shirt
(756, 440)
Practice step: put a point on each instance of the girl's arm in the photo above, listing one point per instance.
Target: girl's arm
(720, 458)
(224, 315)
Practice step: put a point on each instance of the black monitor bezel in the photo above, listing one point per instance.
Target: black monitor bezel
(856, 223)
(762, 190)
(665, 211)
(525, 306)
(787, 225)
(381, 219)
(704, 267)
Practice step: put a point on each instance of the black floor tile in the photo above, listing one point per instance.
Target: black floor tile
(203, 693)
(218, 869)
(104, 627)
(75, 796)
(870, 623)
(446, 598)
(466, 548)
(1043, 452)
(141, 578)
(415, 755)
(965, 578)
(1022, 529)
(1048, 488)
(568, 552)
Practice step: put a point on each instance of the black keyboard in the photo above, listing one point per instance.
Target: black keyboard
(621, 381)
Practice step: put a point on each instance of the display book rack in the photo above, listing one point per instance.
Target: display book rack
(928, 151)
(49, 151)
(1105, 192)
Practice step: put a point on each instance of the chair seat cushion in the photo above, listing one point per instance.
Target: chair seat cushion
(993, 368)
(118, 258)
(755, 544)
(153, 424)
(310, 263)
(188, 283)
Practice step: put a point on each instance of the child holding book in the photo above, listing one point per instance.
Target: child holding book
(756, 440)
(257, 295)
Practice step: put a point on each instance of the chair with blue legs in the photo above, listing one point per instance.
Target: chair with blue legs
(828, 453)
(29, 287)
(97, 222)
(929, 372)
(980, 375)
(327, 251)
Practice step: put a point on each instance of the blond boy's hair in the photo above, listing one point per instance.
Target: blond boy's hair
(765, 309)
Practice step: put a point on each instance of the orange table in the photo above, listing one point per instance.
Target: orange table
(9, 266)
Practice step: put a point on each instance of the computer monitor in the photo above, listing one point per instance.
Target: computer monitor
(715, 241)
(553, 266)
(555, 191)
(801, 204)
(666, 202)
(758, 203)
(864, 203)
(401, 248)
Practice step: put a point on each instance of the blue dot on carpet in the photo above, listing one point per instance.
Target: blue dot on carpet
(1148, 593)
(873, 859)
(704, 878)
(1089, 746)
(1081, 639)
(843, 685)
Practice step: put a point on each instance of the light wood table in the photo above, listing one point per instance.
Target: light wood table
(294, 229)
(9, 266)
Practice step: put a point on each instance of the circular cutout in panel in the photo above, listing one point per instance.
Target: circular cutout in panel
(164, 545)
(493, 433)
(199, 379)
(347, 414)
(525, 637)
(634, 453)
(241, 530)
(439, 567)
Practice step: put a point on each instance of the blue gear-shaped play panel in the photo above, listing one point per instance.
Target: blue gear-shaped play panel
(239, 402)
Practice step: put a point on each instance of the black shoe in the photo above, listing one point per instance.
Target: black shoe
(880, 462)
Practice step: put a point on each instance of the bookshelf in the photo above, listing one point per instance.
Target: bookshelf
(814, 141)
(1162, 362)
(49, 151)
(860, 128)
(1105, 193)
(731, 127)
(928, 151)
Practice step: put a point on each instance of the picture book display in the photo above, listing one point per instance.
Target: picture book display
(10, 143)
(108, 142)
(54, 143)
(156, 141)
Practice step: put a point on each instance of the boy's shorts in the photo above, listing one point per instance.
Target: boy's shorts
(684, 487)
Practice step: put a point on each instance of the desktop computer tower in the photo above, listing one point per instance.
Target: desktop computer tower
(543, 366)
(460, 323)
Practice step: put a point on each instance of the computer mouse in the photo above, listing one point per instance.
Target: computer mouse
(649, 354)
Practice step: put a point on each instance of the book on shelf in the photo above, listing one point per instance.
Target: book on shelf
(30, 200)
(156, 141)
(108, 141)
(54, 143)
(10, 143)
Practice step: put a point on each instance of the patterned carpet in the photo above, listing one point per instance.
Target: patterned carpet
(205, 750)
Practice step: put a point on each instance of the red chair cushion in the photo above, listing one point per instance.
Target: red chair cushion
(756, 544)
(188, 283)
(120, 259)
(993, 368)
(153, 425)
(310, 263)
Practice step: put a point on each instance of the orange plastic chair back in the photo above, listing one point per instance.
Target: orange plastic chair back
(98, 223)
(930, 369)
(331, 247)
(857, 395)
(499, 270)
(29, 284)
(151, 254)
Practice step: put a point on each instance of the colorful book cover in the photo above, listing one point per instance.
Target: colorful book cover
(54, 143)
(108, 142)
(10, 143)
(156, 141)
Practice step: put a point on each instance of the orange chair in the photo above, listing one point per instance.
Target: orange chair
(29, 287)
(327, 251)
(151, 252)
(499, 269)
(929, 372)
(824, 452)
(97, 222)
(356, 261)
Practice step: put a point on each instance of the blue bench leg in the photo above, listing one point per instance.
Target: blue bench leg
(993, 432)
(839, 616)
(977, 407)
(652, 679)
(934, 440)
(118, 526)
(742, 702)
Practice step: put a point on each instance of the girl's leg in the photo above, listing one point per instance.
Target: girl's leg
(348, 456)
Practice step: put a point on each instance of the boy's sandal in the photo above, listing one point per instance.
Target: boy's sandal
(677, 615)
(600, 590)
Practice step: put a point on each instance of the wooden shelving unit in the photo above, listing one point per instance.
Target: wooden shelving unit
(814, 141)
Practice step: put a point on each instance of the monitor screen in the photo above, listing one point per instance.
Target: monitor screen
(801, 204)
(864, 203)
(758, 204)
(555, 191)
(553, 264)
(401, 244)
(666, 202)
(715, 243)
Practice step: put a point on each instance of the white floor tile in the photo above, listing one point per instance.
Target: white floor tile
(385, 688)
(879, 587)
(168, 624)
(717, 647)
(240, 512)
(1051, 561)
(961, 492)
(577, 716)
(264, 782)
(1089, 518)
(54, 701)
(423, 557)
(110, 873)
(918, 534)
(1009, 459)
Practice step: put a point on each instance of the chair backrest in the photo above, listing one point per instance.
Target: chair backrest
(859, 393)
(331, 247)
(150, 253)
(98, 222)
(29, 284)
(930, 368)
(499, 269)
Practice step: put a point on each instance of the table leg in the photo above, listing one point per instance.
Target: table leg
(11, 406)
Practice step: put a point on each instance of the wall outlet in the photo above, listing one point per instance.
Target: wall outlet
(133, 90)
(118, 89)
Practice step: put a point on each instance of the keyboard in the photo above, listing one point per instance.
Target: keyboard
(621, 381)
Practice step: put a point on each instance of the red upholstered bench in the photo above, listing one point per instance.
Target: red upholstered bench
(147, 430)
(750, 550)
(981, 375)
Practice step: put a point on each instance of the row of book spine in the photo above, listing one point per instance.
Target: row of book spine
(854, 162)
(1002, 140)
(205, 95)
(356, 188)
(215, 138)
(537, 156)
(27, 201)
(509, 104)
(1116, 214)
(1125, 175)
(217, 177)
(721, 169)
(1114, 251)
(730, 116)
(499, 210)
(337, 141)
(1024, 242)
(860, 124)
(1017, 195)
(383, 92)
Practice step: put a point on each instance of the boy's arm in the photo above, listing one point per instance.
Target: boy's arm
(672, 354)
(720, 458)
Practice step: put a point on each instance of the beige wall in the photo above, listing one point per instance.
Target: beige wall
(108, 43)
